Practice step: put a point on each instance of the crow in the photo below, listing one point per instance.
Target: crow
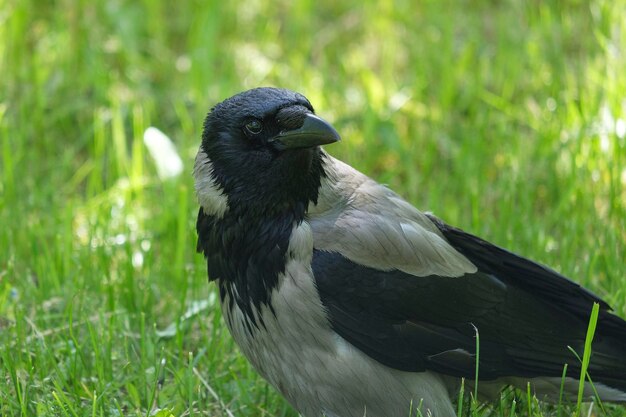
(352, 303)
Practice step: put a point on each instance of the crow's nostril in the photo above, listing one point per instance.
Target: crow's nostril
(292, 117)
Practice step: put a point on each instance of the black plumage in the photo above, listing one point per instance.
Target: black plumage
(526, 315)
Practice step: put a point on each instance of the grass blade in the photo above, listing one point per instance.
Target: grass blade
(591, 329)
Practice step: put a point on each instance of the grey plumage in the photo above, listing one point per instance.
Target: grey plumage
(373, 226)
(350, 301)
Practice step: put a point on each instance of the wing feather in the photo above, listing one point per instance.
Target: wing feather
(411, 291)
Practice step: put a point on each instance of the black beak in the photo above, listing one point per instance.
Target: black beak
(313, 132)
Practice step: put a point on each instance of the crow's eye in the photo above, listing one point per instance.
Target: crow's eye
(254, 126)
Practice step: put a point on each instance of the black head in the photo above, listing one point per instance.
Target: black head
(264, 147)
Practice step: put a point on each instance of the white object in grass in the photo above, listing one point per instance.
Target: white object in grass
(163, 151)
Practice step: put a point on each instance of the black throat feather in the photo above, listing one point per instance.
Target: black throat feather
(246, 248)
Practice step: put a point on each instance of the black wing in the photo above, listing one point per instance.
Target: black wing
(526, 315)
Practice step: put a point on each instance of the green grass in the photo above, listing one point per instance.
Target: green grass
(505, 118)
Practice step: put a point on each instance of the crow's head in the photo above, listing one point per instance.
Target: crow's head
(263, 145)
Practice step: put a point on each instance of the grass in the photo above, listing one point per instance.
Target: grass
(505, 118)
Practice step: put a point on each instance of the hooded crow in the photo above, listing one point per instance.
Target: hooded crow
(353, 303)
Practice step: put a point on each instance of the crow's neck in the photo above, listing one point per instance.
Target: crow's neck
(246, 254)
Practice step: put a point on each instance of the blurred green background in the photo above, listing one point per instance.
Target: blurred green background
(506, 118)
